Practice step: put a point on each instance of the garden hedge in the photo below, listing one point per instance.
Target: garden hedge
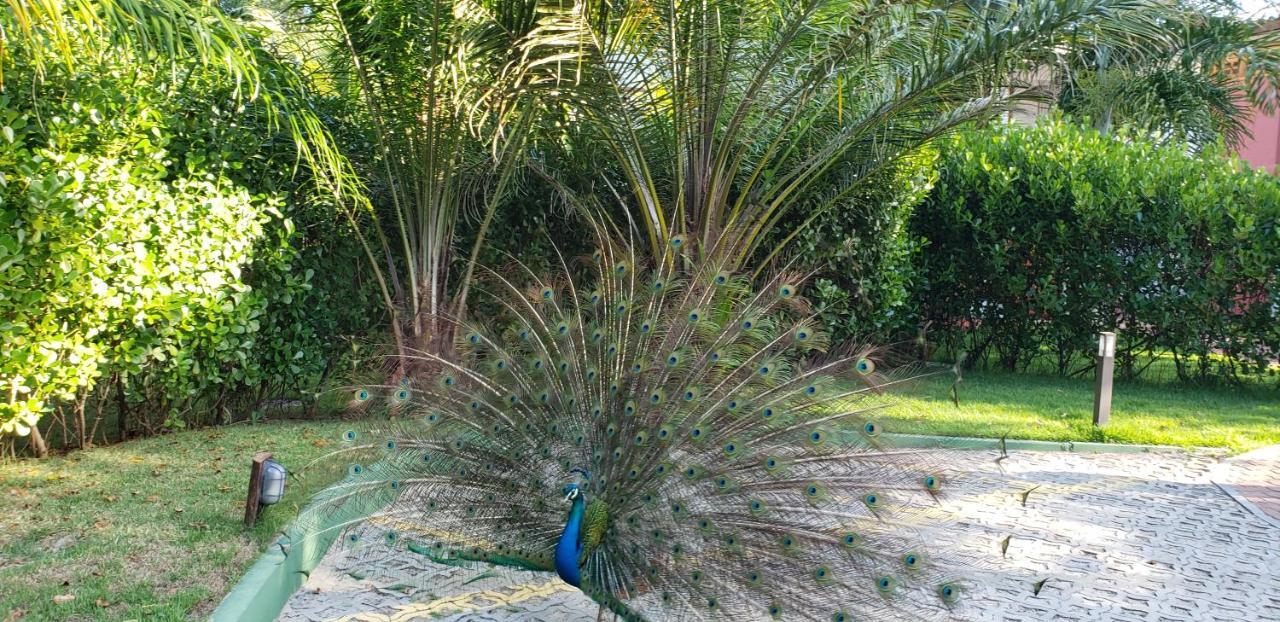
(1038, 237)
(158, 254)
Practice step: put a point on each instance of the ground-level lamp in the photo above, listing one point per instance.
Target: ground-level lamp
(1103, 375)
(266, 485)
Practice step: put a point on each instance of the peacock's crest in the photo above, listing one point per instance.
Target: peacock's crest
(720, 460)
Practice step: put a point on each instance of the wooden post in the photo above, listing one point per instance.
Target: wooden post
(255, 488)
(1103, 375)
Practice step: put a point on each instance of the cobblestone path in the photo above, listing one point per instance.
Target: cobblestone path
(1155, 537)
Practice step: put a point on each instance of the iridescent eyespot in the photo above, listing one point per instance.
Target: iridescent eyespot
(865, 366)
(362, 395)
(886, 584)
(547, 293)
(911, 561)
(720, 279)
(748, 324)
(870, 428)
(786, 291)
(932, 483)
(949, 592)
(349, 435)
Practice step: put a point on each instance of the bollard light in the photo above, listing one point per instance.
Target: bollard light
(266, 485)
(1106, 364)
(1106, 344)
(272, 487)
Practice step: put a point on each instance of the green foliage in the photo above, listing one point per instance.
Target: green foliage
(149, 238)
(1040, 237)
(1198, 85)
(863, 252)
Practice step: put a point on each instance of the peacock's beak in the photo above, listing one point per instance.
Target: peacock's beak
(568, 496)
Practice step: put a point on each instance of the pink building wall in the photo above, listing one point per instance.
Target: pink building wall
(1263, 149)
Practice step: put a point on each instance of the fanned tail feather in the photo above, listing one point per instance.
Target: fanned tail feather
(738, 454)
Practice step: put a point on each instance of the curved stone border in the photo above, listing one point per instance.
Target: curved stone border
(265, 588)
(263, 591)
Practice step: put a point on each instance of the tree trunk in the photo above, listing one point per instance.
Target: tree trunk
(122, 410)
(37, 443)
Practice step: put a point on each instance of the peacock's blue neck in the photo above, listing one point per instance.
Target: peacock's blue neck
(569, 548)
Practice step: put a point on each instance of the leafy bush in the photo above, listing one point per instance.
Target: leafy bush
(863, 252)
(147, 237)
(1040, 237)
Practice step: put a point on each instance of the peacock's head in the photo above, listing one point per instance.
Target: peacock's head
(571, 492)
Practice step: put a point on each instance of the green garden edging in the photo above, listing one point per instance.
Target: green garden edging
(265, 588)
(964, 442)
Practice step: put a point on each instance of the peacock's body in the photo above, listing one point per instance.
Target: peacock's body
(713, 461)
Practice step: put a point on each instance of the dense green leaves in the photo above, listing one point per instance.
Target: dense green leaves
(149, 247)
(1040, 237)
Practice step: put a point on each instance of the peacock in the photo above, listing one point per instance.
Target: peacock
(677, 440)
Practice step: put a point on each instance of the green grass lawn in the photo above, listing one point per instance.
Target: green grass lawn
(144, 530)
(1061, 409)
(150, 529)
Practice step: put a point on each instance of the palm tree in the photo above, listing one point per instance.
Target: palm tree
(450, 93)
(1200, 87)
(722, 117)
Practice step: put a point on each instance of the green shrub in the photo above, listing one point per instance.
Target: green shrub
(1040, 237)
(149, 236)
(862, 251)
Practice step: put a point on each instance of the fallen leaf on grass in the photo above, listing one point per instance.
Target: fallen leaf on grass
(14, 614)
(102, 602)
(63, 598)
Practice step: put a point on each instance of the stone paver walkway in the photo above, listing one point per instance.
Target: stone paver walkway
(1120, 537)
(1254, 480)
